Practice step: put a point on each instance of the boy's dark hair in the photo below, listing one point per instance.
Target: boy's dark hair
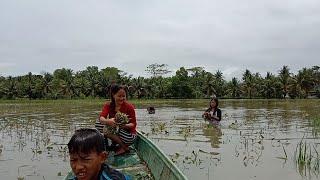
(86, 140)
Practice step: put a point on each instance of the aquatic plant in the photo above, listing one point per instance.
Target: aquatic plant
(120, 118)
(158, 127)
(307, 158)
(186, 132)
(316, 126)
(192, 159)
(285, 157)
(174, 157)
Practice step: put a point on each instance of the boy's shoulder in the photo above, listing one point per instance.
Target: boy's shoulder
(107, 173)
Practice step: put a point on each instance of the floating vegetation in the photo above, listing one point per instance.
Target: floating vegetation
(235, 125)
(121, 119)
(63, 152)
(307, 159)
(174, 157)
(186, 132)
(212, 153)
(192, 159)
(251, 147)
(195, 158)
(158, 127)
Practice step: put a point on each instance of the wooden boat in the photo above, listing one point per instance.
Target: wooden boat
(145, 161)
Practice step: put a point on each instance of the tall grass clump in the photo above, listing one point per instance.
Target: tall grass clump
(307, 159)
(316, 126)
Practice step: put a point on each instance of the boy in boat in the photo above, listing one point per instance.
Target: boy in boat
(88, 155)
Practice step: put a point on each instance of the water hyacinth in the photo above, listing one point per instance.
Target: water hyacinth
(120, 118)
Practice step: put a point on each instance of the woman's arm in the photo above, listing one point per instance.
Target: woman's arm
(127, 126)
(104, 116)
(214, 117)
(107, 121)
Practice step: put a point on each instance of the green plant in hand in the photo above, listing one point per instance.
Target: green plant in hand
(121, 119)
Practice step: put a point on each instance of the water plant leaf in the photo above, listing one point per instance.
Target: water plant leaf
(212, 153)
(245, 158)
(284, 158)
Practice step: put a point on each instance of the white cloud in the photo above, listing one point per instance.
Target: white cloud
(227, 35)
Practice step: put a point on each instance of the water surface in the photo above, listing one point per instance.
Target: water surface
(257, 139)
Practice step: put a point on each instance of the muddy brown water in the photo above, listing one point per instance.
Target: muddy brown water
(257, 139)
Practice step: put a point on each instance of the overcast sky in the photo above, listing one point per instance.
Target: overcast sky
(230, 35)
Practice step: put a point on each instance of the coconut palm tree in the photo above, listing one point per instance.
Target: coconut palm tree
(248, 82)
(138, 84)
(63, 81)
(46, 80)
(306, 80)
(209, 87)
(219, 83)
(11, 88)
(92, 76)
(234, 88)
(284, 76)
(268, 89)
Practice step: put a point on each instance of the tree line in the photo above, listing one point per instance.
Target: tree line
(186, 83)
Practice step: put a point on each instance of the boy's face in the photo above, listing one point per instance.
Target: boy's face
(87, 166)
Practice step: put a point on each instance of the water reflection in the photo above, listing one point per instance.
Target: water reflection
(214, 133)
(256, 138)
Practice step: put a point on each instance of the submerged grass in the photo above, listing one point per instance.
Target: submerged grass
(316, 126)
(307, 159)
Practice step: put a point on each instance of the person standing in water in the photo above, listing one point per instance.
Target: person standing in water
(213, 113)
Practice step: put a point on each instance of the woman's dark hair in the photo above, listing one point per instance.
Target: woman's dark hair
(216, 101)
(113, 90)
(86, 140)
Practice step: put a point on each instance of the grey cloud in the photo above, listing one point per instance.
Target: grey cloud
(227, 35)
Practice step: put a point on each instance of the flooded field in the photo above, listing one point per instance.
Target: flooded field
(257, 139)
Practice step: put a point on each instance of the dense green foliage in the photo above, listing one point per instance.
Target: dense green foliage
(186, 83)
